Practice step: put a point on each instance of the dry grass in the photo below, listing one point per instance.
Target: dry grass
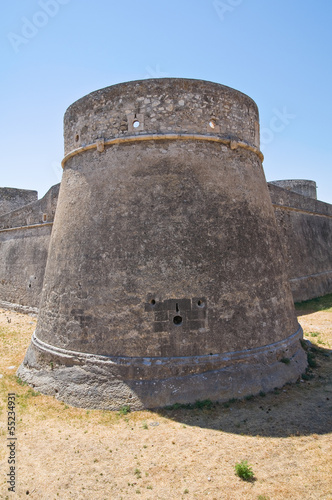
(70, 453)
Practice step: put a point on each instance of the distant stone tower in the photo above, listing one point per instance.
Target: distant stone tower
(299, 186)
(12, 199)
(165, 281)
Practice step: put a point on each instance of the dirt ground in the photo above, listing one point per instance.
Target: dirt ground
(71, 453)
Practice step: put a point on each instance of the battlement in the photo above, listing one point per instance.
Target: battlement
(161, 106)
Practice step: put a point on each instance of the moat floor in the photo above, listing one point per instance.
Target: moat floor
(71, 453)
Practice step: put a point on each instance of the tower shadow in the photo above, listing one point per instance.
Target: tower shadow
(299, 409)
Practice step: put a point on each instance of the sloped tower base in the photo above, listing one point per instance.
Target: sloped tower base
(165, 281)
(92, 381)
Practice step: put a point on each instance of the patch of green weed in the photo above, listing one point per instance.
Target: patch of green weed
(137, 473)
(311, 360)
(20, 381)
(124, 410)
(244, 470)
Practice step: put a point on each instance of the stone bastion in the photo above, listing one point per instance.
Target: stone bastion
(301, 186)
(165, 281)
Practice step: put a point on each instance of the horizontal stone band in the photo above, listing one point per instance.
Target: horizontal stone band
(232, 143)
(194, 361)
(31, 226)
(301, 210)
(18, 307)
(309, 276)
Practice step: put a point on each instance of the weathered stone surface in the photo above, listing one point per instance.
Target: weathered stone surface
(310, 275)
(165, 279)
(22, 265)
(305, 227)
(172, 105)
(36, 212)
(299, 186)
(24, 240)
(107, 382)
(12, 198)
(163, 226)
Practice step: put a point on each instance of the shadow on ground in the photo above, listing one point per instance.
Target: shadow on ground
(319, 304)
(304, 312)
(298, 409)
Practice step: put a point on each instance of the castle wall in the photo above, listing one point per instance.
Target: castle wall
(299, 186)
(24, 240)
(305, 227)
(11, 198)
(22, 266)
(36, 212)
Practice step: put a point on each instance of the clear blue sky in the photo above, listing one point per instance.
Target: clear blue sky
(277, 51)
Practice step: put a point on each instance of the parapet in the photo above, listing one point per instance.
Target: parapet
(24, 240)
(12, 198)
(300, 186)
(161, 106)
(34, 212)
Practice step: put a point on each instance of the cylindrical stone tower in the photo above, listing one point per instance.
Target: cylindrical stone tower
(165, 281)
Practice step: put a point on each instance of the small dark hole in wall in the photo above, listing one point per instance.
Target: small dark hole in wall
(152, 302)
(177, 320)
(29, 285)
(77, 137)
(200, 303)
